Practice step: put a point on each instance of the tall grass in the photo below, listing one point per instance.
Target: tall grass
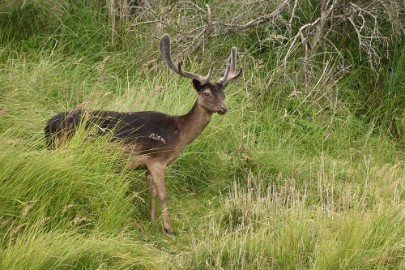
(280, 228)
(54, 250)
(294, 176)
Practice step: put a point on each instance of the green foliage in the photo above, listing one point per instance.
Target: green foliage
(301, 173)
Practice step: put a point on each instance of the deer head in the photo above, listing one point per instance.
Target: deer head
(210, 95)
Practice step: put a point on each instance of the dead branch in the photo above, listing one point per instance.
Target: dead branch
(258, 21)
(298, 35)
(289, 25)
(201, 37)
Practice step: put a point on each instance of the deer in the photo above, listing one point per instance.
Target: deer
(154, 139)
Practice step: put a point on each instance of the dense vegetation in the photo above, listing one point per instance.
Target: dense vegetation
(305, 171)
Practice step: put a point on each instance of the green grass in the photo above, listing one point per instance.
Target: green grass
(309, 179)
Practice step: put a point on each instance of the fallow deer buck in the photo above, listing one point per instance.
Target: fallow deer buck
(156, 139)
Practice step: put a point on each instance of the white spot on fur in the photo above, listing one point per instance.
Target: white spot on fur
(157, 137)
(102, 129)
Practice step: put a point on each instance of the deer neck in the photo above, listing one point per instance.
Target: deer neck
(193, 123)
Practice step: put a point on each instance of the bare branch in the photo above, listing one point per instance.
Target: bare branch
(259, 20)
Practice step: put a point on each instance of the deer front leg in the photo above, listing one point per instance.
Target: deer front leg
(157, 172)
(152, 193)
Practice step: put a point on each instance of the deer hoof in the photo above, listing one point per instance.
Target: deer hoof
(170, 231)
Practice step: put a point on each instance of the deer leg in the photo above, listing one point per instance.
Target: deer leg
(157, 173)
(152, 193)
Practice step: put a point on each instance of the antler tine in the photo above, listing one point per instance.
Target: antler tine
(226, 74)
(165, 50)
(233, 59)
(229, 73)
(190, 75)
(208, 77)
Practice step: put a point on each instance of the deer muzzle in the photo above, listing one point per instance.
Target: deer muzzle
(223, 110)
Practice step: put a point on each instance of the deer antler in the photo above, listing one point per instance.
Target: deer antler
(165, 50)
(230, 73)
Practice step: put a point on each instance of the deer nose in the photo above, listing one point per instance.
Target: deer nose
(223, 110)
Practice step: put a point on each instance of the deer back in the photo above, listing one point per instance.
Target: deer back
(148, 129)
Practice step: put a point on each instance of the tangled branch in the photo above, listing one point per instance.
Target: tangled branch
(192, 25)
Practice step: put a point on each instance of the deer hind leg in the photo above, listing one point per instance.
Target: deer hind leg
(157, 172)
(152, 193)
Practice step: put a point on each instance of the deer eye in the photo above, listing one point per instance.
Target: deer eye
(206, 94)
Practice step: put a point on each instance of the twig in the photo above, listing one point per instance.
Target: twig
(259, 20)
(205, 32)
(291, 18)
(302, 28)
(111, 16)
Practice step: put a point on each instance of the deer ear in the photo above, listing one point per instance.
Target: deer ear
(197, 85)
